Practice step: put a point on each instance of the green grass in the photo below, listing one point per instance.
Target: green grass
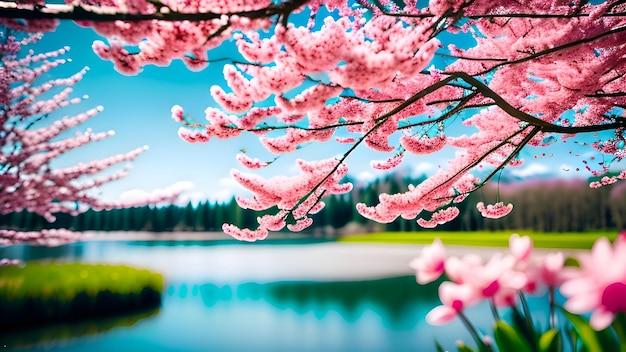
(563, 240)
(38, 292)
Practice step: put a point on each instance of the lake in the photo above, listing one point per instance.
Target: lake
(276, 296)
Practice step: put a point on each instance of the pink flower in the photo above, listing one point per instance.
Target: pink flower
(455, 299)
(599, 285)
(429, 266)
(178, 114)
(552, 271)
(494, 211)
(520, 247)
(496, 279)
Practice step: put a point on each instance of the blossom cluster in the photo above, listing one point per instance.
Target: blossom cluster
(374, 86)
(297, 196)
(28, 147)
(536, 68)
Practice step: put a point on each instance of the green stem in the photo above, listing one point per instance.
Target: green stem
(619, 326)
(482, 346)
(494, 310)
(527, 315)
(552, 319)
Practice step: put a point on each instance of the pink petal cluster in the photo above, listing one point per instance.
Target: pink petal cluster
(440, 217)
(193, 135)
(296, 196)
(430, 264)
(424, 144)
(494, 211)
(524, 79)
(28, 149)
(250, 163)
(387, 164)
(46, 237)
(599, 285)
(178, 114)
(500, 278)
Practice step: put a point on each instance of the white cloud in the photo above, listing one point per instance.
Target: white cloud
(423, 169)
(365, 177)
(534, 169)
(226, 189)
(229, 182)
(221, 196)
(139, 195)
(192, 197)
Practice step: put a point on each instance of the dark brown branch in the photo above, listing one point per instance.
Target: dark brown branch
(545, 126)
(487, 15)
(471, 58)
(397, 100)
(606, 95)
(86, 13)
(458, 108)
(502, 165)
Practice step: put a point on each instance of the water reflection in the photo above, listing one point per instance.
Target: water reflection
(60, 334)
(392, 298)
(320, 297)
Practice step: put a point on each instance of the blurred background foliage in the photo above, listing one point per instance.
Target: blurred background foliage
(555, 205)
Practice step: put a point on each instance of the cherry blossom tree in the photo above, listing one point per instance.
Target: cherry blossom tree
(390, 76)
(30, 142)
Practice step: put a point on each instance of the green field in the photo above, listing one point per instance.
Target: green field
(37, 293)
(563, 240)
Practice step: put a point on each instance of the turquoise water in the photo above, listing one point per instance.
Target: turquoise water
(276, 297)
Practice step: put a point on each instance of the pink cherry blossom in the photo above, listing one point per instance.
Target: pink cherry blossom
(387, 164)
(364, 74)
(250, 163)
(178, 114)
(423, 145)
(440, 217)
(29, 148)
(494, 211)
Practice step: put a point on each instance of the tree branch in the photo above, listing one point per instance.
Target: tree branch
(84, 12)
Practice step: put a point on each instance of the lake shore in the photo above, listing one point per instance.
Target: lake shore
(173, 236)
(238, 261)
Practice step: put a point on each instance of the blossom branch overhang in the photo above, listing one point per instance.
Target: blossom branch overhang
(10, 9)
(501, 166)
(341, 160)
(483, 89)
(575, 14)
(546, 52)
(522, 116)
(455, 110)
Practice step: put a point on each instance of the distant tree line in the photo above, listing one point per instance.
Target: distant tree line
(541, 205)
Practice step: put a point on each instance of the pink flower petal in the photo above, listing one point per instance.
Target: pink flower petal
(581, 303)
(601, 319)
(440, 315)
(521, 247)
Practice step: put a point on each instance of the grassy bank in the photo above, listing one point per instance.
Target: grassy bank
(38, 293)
(565, 240)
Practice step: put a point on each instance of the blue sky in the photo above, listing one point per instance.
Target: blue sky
(138, 107)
